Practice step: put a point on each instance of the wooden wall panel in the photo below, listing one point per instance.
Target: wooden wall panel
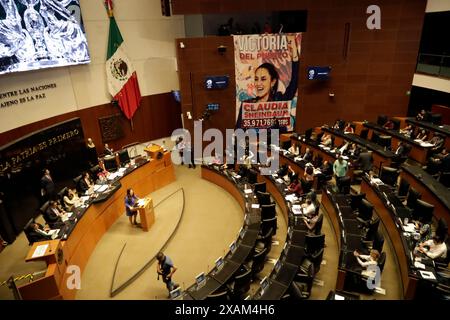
(157, 117)
(372, 79)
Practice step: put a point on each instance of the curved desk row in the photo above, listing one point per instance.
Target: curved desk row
(292, 255)
(92, 224)
(381, 157)
(418, 152)
(432, 190)
(392, 213)
(245, 242)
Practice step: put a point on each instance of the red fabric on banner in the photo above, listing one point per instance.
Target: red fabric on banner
(129, 98)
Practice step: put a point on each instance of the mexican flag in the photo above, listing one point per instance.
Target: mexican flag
(120, 74)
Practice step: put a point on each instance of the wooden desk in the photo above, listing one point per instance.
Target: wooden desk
(409, 282)
(432, 191)
(146, 214)
(95, 222)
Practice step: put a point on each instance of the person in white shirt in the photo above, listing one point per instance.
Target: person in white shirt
(294, 149)
(434, 248)
(367, 260)
(308, 208)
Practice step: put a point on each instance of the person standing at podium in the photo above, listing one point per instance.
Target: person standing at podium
(131, 206)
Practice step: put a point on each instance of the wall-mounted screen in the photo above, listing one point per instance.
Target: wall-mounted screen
(318, 73)
(212, 107)
(36, 34)
(216, 82)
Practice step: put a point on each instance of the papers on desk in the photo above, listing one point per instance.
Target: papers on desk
(40, 251)
(69, 214)
(255, 206)
(297, 209)
(419, 265)
(299, 158)
(291, 198)
(279, 180)
(410, 227)
(344, 157)
(140, 202)
(428, 275)
(317, 171)
(248, 191)
(377, 181)
(426, 144)
(112, 176)
(84, 198)
(100, 188)
(338, 297)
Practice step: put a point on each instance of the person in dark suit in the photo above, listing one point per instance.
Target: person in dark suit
(53, 215)
(85, 182)
(308, 156)
(91, 151)
(365, 161)
(47, 186)
(37, 232)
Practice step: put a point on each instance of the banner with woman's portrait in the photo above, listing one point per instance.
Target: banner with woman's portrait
(267, 80)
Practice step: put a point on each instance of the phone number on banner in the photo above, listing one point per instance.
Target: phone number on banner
(265, 123)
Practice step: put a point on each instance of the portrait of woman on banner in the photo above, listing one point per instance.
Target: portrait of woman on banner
(266, 84)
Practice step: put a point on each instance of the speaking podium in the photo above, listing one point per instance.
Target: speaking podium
(153, 150)
(146, 213)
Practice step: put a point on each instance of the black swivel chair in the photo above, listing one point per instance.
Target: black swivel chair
(372, 229)
(403, 189)
(413, 196)
(355, 200)
(264, 241)
(343, 184)
(268, 224)
(76, 181)
(378, 242)
(365, 213)
(318, 227)
(261, 186)
(423, 211)
(60, 196)
(364, 133)
(301, 287)
(268, 211)
(442, 228)
(263, 198)
(241, 284)
(257, 263)
(26, 230)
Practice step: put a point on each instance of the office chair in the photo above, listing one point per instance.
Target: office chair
(442, 229)
(76, 181)
(268, 211)
(257, 263)
(318, 227)
(26, 229)
(371, 230)
(240, 284)
(365, 213)
(264, 241)
(301, 287)
(355, 200)
(403, 189)
(306, 186)
(314, 244)
(60, 196)
(343, 185)
(382, 261)
(423, 211)
(263, 198)
(378, 242)
(44, 207)
(268, 224)
(261, 186)
(413, 196)
(444, 178)
(94, 170)
(364, 133)
(222, 295)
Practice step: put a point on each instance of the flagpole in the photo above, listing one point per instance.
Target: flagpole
(132, 126)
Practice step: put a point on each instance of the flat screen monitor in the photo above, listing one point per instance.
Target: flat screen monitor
(277, 266)
(213, 107)
(216, 82)
(176, 95)
(242, 233)
(110, 163)
(124, 157)
(318, 73)
(232, 246)
(174, 294)
(200, 279)
(219, 263)
(389, 175)
(264, 284)
(37, 37)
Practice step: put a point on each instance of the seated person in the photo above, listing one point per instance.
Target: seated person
(434, 248)
(348, 128)
(326, 140)
(367, 260)
(70, 199)
(437, 141)
(308, 156)
(283, 170)
(37, 232)
(294, 149)
(54, 214)
(337, 125)
(354, 151)
(422, 135)
(389, 125)
(108, 151)
(102, 176)
(308, 207)
(309, 173)
(407, 131)
(421, 115)
(85, 184)
(295, 187)
(312, 220)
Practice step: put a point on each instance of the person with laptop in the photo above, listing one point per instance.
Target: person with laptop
(166, 269)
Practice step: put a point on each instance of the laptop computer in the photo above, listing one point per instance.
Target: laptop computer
(176, 294)
(200, 280)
